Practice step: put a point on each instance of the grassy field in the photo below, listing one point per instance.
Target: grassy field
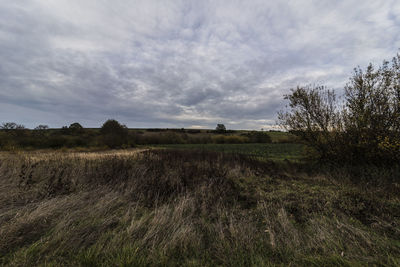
(277, 152)
(276, 136)
(193, 208)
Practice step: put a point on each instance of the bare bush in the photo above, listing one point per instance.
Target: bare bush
(365, 127)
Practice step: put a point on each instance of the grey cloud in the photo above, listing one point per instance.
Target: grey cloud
(180, 63)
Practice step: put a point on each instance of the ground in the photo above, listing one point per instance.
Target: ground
(184, 207)
(274, 151)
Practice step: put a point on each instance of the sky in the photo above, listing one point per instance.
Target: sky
(174, 64)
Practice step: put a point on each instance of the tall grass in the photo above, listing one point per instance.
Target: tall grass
(166, 207)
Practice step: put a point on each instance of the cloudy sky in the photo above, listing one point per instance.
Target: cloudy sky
(180, 63)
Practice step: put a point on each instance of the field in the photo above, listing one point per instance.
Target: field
(93, 138)
(184, 207)
(274, 151)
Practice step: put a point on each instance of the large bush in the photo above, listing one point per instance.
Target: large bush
(363, 127)
(114, 134)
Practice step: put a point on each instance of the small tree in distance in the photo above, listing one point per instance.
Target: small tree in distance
(41, 127)
(75, 128)
(220, 128)
(11, 126)
(113, 133)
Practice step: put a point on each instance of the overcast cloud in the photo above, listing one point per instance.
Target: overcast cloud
(180, 63)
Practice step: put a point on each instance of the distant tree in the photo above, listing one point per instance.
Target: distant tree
(220, 128)
(41, 127)
(14, 131)
(75, 126)
(40, 130)
(113, 133)
(12, 126)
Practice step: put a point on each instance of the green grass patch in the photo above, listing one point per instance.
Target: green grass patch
(277, 152)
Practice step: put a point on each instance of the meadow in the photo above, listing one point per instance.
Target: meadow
(274, 151)
(185, 207)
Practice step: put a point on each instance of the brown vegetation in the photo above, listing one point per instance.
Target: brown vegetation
(363, 128)
(165, 207)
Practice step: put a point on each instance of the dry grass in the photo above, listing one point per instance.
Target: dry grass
(188, 208)
(40, 155)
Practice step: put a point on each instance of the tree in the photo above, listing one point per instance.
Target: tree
(75, 128)
(40, 130)
(41, 127)
(11, 126)
(220, 128)
(372, 111)
(314, 116)
(364, 127)
(113, 133)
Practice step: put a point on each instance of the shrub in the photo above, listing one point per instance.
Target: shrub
(113, 133)
(365, 127)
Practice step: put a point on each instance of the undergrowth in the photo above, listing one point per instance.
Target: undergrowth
(188, 208)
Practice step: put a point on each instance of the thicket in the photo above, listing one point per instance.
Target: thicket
(361, 127)
(42, 137)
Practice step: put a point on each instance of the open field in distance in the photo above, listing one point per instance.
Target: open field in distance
(274, 151)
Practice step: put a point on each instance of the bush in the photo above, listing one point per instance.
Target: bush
(364, 128)
(114, 134)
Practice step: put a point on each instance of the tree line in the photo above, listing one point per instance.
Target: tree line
(114, 134)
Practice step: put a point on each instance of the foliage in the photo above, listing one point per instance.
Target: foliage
(113, 133)
(42, 127)
(75, 126)
(365, 127)
(8, 126)
(220, 128)
(314, 116)
(372, 113)
(75, 129)
(43, 137)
